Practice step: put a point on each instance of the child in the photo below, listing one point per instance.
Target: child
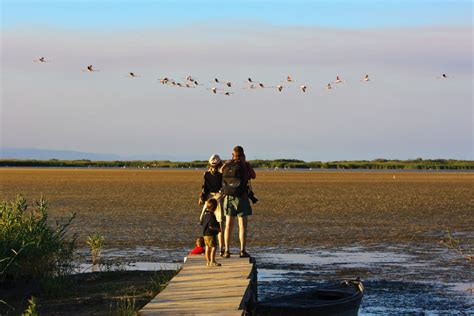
(211, 188)
(210, 230)
(199, 249)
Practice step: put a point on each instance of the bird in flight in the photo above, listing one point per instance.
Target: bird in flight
(214, 90)
(164, 80)
(229, 84)
(303, 88)
(249, 80)
(280, 87)
(40, 60)
(261, 85)
(328, 87)
(366, 78)
(289, 79)
(133, 75)
(89, 69)
(228, 93)
(338, 80)
(443, 76)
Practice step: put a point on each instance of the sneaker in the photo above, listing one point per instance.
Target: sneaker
(226, 254)
(244, 254)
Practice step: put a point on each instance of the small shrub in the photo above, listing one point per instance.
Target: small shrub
(95, 241)
(29, 246)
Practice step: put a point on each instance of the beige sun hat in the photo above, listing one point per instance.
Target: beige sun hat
(214, 160)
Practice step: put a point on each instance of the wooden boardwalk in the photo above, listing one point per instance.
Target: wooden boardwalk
(200, 290)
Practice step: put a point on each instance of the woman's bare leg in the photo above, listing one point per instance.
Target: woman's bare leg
(220, 237)
(229, 224)
(242, 232)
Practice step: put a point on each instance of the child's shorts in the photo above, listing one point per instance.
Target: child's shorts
(210, 241)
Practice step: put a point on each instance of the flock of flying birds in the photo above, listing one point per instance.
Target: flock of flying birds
(219, 85)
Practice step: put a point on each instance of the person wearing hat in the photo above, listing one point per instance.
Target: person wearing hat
(211, 188)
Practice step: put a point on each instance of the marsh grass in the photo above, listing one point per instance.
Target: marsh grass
(31, 310)
(95, 242)
(126, 306)
(29, 246)
(160, 280)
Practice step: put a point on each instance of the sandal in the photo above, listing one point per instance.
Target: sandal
(215, 264)
(221, 254)
(226, 254)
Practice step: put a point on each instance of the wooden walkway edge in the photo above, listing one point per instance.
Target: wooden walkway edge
(200, 290)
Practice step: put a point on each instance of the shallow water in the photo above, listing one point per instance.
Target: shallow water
(398, 279)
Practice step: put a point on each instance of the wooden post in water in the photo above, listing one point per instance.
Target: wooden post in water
(230, 289)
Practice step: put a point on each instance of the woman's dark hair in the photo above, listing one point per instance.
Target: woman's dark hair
(238, 151)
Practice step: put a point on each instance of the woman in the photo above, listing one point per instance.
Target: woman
(211, 188)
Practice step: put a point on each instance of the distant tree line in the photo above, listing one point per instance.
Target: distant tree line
(382, 164)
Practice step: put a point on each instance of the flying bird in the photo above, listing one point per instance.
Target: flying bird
(443, 76)
(133, 75)
(289, 79)
(214, 90)
(261, 85)
(303, 88)
(366, 78)
(40, 60)
(249, 80)
(280, 87)
(89, 69)
(338, 80)
(164, 80)
(228, 83)
(228, 93)
(328, 87)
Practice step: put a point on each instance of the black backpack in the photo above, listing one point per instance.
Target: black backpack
(232, 179)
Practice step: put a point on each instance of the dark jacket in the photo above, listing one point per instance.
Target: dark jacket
(210, 226)
(212, 182)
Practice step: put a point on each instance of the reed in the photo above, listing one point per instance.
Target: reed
(29, 246)
(95, 242)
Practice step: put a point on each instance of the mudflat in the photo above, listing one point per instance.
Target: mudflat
(134, 207)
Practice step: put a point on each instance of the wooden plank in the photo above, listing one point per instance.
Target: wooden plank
(201, 290)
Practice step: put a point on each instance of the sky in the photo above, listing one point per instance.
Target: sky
(404, 112)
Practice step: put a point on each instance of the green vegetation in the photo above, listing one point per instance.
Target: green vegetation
(126, 306)
(29, 246)
(382, 164)
(95, 241)
(32, 308)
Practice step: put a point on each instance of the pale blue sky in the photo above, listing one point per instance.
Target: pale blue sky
(405, 112)
(327, 13)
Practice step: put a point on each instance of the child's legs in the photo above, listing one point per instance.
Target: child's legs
(213, 254)
(208, 254)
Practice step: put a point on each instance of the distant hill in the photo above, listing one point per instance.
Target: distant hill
(45, 154)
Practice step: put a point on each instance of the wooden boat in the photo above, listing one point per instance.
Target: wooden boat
(342, 299)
